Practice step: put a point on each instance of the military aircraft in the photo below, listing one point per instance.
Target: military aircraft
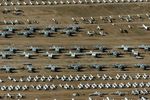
(68, 32)
(145, 47)
(96, 93)
(10, 29)
(50, 55)
(73, 28)
(52, 28)
(26, 33)
(136, 54)
(100, 48)
(5, 55)
(35, 49)
(99, 67)
(51, 67)
(47, 33)
(93, 53)
(5, 34)
(76, 67)
(120, 66)
(119, 93)
(27, 55)
(145, 27)
(125, 48)
(142, 66)
(114, 53)
(77, 48)
(57, 49)
(29, 67)
(90, 33)
(74, 54)
(11, 49)
(8, 69)
(31, 28)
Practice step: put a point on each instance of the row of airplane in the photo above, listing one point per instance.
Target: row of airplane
(72, 54)
(76, 48)
(49, 33)
(111, 19)
(68, 2)
(76, 67)
(13, 96)
(79, 86)
(72, 78)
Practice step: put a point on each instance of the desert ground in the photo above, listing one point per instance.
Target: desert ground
(42, 15)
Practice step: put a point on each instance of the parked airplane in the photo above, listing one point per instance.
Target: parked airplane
(51, 67)
(8, 69)
(74, 54)
(76, 67)
(145, 27)
(50, 55)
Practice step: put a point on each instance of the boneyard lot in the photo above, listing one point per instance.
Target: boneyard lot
(111, 25)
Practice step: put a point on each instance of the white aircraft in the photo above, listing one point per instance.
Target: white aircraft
(27, 54)
(93, 53)
(50, 55)
(125, 47)
(74, 54)
(145, 27)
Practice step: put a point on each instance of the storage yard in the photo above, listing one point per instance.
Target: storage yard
(74, 50)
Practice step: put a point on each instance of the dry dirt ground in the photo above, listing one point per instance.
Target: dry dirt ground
(63, 14)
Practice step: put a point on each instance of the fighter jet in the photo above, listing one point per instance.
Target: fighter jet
(77, 48)
(73, 28)
(27, 55)
(10, 29)
(7, 69)
(51, 67)
(136, 54)
(76, 67)
(27, 33)
(98, 94)
(35, 49)
(68, 32)
(145, 27)
(145, 47)
(74, 54)
(5, 34)
(47, 33)
(120, 66)
(101, 48)
(93, 53)
(90, 33)
(50, 55)
(11, 49)
(52, 28)
(142, 66)
(115, 53)
(5, 55)
(125, 48)
(99, 67)
(102, 33)
(29, 67)
(119, 93)
(57, 49)
(31, 28)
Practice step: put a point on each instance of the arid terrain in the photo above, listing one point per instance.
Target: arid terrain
(62, 16)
